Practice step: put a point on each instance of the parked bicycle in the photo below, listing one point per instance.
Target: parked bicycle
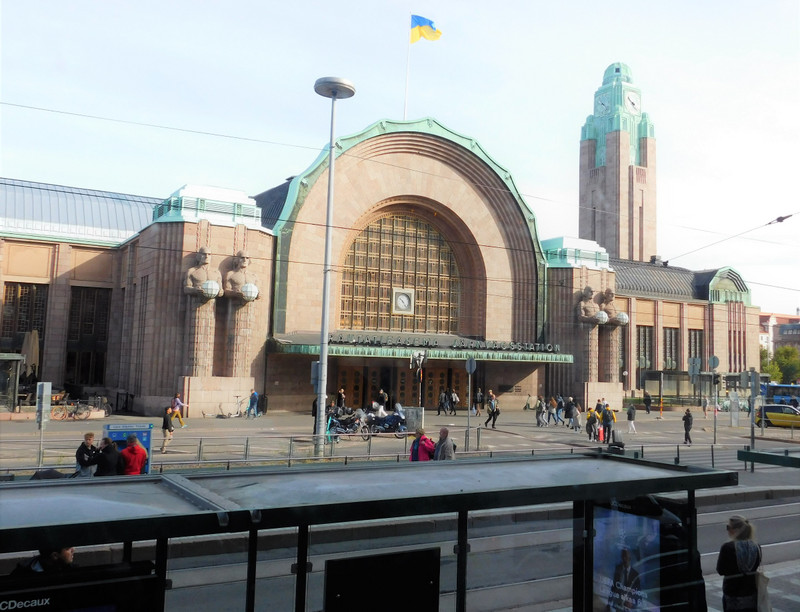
(77, 412)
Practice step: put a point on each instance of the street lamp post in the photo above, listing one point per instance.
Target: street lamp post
(333, 88)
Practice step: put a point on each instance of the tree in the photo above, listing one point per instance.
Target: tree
(787, 359)
(768, 366)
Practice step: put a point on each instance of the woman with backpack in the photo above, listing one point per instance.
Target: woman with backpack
(591, 424)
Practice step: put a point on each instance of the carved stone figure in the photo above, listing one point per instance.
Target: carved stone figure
(587, 309)
(201, 273)
(239, 276)
(607, 304)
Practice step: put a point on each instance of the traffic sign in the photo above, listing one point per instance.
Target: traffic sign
(471, 365)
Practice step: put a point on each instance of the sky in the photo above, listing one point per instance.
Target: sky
(221, 93)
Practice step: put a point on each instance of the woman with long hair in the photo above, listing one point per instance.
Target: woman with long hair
(738, 561)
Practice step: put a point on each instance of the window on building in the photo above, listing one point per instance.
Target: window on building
(644, 351)
(671, 348)
(24, 310)
(696, 346)
(400, 252)
(87, 335)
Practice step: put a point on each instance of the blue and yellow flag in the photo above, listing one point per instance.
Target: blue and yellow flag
(423, 28)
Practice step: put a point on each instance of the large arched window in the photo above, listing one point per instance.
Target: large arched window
(400, 253)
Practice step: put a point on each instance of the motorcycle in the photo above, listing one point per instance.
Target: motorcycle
(394, 423)
(339, 424)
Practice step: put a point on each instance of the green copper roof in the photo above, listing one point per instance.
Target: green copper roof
(617, 107)
(285, 213)
(300, 184)
(617, 71)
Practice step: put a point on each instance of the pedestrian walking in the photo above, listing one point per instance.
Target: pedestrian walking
(541, 419)
(478, 402)
(492, 409)
(527, 405)
(631, 418)
(252, 406)
(648, 401)
(445, 448)
(738, 563)
(166, 429)
(576, 417)
(442, 405)
(422, 447)
(687, 427)
(591, 424)
(177, 407)
(560, 407)
(704, 404)
(609, 418)
(454, 399)
(569, 409)
(551, 411)
(383, 399)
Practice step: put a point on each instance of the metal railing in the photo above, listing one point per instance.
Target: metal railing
(229, 452)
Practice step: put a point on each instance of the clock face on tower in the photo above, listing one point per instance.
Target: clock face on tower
(403, 301)
(632, 102)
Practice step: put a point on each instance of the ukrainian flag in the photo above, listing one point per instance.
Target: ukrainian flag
(424, 28)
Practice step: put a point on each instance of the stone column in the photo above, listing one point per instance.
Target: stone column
(200, 333)
(240, 335)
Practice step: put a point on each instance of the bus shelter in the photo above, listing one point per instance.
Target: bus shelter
(611, 496)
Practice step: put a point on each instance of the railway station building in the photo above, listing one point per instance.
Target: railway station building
(212, 292)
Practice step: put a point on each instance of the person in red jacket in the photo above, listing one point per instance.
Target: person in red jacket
(422, 447)
(134, 457)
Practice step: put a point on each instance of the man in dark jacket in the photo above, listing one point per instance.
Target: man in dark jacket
(167, 429)
(687, 427)
(108, 460)
(84, 455)
(608, 424)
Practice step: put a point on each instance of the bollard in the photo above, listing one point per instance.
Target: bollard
(478, 439)
(678, 455)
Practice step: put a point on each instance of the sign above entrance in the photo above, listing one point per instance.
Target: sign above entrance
(436, 347)
(446, 342)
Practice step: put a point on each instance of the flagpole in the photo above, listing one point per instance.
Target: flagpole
(408, 63)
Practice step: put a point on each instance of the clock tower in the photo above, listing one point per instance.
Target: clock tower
(618, 170)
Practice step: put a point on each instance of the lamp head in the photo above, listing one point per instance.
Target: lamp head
(334, 87)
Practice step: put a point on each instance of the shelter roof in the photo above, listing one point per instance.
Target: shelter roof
(149, 507)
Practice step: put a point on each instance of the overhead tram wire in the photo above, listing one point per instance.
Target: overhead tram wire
(777, 220)
(309, 148)
(316, 149)
(454, 242)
